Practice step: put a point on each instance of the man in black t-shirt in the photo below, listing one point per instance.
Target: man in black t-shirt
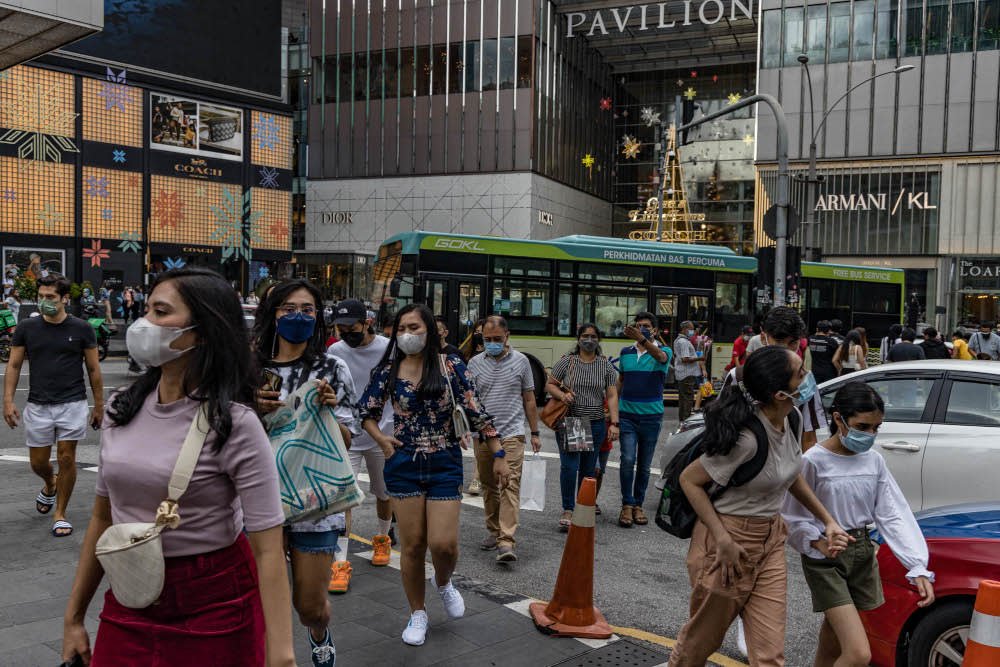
(821, 349)
(906, 350)
(56, 345)
(446, 347)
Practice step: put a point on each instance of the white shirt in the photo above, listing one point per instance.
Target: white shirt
(361, 360)
(858, 491)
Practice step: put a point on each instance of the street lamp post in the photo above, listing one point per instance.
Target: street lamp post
(811, 179)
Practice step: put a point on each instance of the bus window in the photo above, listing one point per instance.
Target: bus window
(564, 311)
(666, 316)
(698, 312)
(524, 304)
(611, 273)
(522, 266)
(611, 309)
(469, 298)
(732, 298)
(436, 295)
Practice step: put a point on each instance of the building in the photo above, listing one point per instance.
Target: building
(518, 118)
(912, 160)
(162, 141)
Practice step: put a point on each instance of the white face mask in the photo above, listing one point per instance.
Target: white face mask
(411, 343)
(149, 344)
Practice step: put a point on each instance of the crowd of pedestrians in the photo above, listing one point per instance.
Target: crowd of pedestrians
(407, 404)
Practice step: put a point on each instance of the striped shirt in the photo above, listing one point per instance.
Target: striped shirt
(588, 384)
(501, 381)
(642, 382)
(813, 414)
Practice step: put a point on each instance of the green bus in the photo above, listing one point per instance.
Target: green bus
(545, 289)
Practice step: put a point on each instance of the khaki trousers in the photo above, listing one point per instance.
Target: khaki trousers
(501, 506)
(758, 596)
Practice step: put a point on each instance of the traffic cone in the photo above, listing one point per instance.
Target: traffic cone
(572, 613)
(983, 647)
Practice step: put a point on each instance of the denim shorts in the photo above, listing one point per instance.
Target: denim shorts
(437, 476)
(323, 542)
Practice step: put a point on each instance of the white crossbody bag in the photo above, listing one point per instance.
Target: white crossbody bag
(132, 553)
(459, 420)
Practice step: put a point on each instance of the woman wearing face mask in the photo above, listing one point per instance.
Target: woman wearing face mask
(225, 594)
(852, 480)
(583, 380)
(736, 561)
(290, 341)
(423, 468)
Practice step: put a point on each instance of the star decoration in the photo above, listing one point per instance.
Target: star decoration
(118, 156)
(129, 242)
(715, 77)
(107, 214)
(279, 230)
(605, 104)
(95, 253)
(169, 263)
(631, 147)
(734, 98)
(693, 74)
(650, 117)
(690, 93)
(680, 82)
(588, 161)
(748, 139)
(268, 177)
(49, 216)
(200, 192)
(133, 181)
(9, 195)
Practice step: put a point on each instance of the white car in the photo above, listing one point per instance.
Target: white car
(941, 432)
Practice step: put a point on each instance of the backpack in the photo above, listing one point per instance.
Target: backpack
(675, 513)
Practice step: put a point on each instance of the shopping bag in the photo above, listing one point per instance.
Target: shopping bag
(575, 435)
(533, 483)
(314, 473)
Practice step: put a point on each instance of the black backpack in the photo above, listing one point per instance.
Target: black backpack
(675, 513)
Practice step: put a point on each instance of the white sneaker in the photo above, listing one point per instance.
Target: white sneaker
(741, 637)
(452, 599)
(416, 630)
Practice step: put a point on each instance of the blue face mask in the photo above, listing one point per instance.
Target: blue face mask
(646, 333)
(690, 332)
(806, 390)
(857, 441)
(494, 349)
(296, 328)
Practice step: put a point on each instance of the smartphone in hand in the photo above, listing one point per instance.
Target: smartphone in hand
(272, 381)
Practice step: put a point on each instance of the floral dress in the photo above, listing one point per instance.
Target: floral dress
(424, 425)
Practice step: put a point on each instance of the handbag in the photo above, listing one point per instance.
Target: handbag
(459, 420)
(575, 435)
(555, 410)
(132, 553)
(533, 483)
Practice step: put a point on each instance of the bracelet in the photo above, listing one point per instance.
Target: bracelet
(535, 433)
(615, 424)
(500, 454)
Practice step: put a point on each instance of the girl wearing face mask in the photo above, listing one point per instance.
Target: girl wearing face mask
(290, 340)
(225, 594)
(852, 480)
(423, 468)
(736, 560)
(583, 380)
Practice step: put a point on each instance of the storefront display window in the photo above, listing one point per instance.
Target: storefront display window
(978, 281)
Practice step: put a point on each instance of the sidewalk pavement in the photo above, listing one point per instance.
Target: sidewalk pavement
(37, 570)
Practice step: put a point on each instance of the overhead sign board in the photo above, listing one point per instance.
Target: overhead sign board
(655, 17)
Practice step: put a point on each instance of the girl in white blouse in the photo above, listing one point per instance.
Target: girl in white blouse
(854, 484)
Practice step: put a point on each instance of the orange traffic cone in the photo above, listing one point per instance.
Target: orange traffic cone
(983, 647)
(572, 613)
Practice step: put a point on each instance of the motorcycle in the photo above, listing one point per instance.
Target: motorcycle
(102, 329)
(7, 326)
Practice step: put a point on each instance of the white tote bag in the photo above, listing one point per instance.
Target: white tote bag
(314, 473)
(533, 483)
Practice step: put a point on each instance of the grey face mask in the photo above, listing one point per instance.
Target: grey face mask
(588, 345)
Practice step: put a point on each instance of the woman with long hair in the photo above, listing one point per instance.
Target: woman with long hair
(736, 560)
(290, 342)
(891, 338)
(225, 594)
(850, 356)
(863, 334)
(852, 479)
(584, 380)
(423, 467)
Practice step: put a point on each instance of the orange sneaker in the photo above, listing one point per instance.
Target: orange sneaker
(341, 578)
(381, 548)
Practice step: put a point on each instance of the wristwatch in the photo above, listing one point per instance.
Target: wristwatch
(535, 433)
(501, 454)
(615, 424)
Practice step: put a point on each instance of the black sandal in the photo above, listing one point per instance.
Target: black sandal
(44, 502)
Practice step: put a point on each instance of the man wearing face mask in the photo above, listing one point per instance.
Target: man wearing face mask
(686, 370)
(507, 388)
(361, 349)
(57, 345)
(442, 327)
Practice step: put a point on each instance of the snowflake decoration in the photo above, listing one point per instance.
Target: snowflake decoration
(118, 156)
(9, 195)
(129, 242)
(235, 227)
(107, 214)
(97, 187)
(268, 177)
(4, 74)
(605, 104)
(631, 147)
(690, 93)
(734, 98)
(49, 216)
(133, 181)
(748, 139)
(650, 117)
(95, 253)
(114, 92)
(264, 272)
(170, 263)
(265, 132)
(169, 209)
(200, 192)
(49, 137)
(279, 230)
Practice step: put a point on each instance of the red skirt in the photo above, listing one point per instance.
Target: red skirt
(209, 614)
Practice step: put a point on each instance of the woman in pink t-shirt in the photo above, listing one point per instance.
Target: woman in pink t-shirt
(224, 593)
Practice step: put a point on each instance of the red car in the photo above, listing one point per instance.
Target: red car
(964, 544)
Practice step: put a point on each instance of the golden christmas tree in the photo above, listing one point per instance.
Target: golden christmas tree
(676, 223)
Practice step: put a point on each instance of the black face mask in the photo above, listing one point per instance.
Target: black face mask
(477, 340)
(353, 338)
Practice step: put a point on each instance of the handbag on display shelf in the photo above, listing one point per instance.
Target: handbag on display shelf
(554, 412)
